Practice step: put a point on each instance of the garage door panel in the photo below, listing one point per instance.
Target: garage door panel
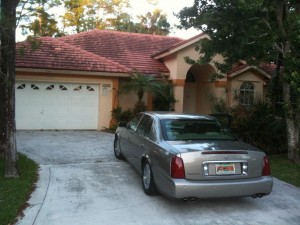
(64, 102)
(64, 124)
(64, 111)
(22, 99)
(90, 111)
(51, 124)
(88, 123)
(22, 110)
(56, 106)
(51, 113)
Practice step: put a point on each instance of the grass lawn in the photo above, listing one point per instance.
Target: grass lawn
(14, 192)
(285, 170)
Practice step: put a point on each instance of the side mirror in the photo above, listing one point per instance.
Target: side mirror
(122, 124)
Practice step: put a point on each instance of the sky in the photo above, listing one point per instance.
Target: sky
(169, 7)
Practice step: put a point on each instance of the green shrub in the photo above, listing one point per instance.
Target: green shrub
(122, 115)
(139, 107)
(164, 101)
(258, 126)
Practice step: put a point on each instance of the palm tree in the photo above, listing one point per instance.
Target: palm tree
(141, 84)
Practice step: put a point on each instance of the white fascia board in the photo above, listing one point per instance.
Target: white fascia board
(182, 46)
(248, 68)
(73, 72)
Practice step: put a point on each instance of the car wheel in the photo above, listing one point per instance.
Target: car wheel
(117, 149)
(147, 179)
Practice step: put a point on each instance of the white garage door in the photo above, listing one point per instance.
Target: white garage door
(56, 105)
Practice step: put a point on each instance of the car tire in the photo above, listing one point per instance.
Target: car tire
(148, 180)
(117, 149)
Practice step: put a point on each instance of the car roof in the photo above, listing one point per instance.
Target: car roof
(175, 115)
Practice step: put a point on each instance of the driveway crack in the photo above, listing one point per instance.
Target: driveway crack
(41, 205)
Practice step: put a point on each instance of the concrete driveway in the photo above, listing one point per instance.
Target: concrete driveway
(82, 183)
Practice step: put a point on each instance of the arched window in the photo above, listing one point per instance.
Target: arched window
(246, 93)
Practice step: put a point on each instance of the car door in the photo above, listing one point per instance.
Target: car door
(128, 135)
(141, 140)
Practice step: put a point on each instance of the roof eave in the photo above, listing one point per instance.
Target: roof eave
(236, 73)
(179, 46)
(73, 72)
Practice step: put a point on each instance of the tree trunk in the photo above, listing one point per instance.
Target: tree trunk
(292, 114)
(7, 86)
(292, 124)
(293, 140)
(1, 95)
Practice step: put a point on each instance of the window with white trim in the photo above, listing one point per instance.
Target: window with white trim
(22, 86)
(34, 87)
(50, 87)
(89, 88)
(77, 88)
(247, 93)
(63, 88)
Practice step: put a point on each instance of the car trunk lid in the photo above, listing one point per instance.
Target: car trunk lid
(220, 160)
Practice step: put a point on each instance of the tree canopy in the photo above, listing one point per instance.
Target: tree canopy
(43, 25)
(85, 15)
(33, 16)
(154, 23)
(258, 31)
(38, 17)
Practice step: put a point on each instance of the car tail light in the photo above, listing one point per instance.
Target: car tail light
(177, 168)
(266, 171)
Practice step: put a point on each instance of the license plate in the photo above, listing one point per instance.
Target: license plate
(225, 168)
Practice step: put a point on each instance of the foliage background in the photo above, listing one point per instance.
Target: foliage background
(257, 125)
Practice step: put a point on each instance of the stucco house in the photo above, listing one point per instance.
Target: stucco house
(72, 82)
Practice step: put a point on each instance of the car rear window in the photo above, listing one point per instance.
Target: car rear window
(194, 129)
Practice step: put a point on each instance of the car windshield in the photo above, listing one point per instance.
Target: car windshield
(194, 129)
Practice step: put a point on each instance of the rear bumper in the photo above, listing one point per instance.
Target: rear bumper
(181, 188)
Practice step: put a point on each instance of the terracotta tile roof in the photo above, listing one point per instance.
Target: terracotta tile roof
(97, 50)
(131, 50)
(52, 53)
(268, 68)
(237, 68)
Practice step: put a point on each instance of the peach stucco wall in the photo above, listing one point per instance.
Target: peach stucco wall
(178, 70)
(107, 97)
(177, 65)
(193, 98)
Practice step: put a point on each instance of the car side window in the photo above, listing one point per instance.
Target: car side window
(132, 125)
(144, 128)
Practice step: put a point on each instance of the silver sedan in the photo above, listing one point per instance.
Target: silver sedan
(188, 156)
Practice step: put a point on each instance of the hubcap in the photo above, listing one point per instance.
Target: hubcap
(147, 176)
